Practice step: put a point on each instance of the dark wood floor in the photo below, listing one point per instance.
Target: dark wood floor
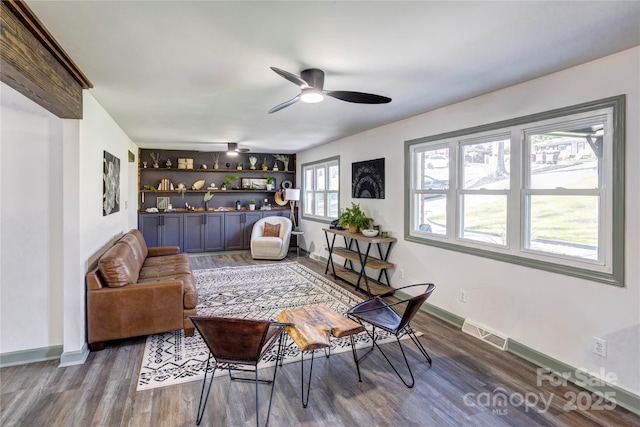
(102, 392)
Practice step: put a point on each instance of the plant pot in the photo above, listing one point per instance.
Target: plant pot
(252, 207)
(353, 229)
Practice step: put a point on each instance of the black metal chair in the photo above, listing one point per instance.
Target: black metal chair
(380, 314)
(236, 342)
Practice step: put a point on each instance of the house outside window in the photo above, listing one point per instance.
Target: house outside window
(544, 191)
(321, 190)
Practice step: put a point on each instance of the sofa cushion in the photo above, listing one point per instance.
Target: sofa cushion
(190, 294)
(133, 242)
(143, 245)
(118, 265)
(271, 230)
(167, 264)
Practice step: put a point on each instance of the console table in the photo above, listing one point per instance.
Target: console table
(357, 249)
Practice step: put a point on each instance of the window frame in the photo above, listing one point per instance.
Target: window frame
(326, 163)
(514, 251)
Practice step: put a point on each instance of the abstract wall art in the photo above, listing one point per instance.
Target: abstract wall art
(110, 184)
(367, 179)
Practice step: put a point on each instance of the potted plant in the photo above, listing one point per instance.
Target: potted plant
(228, 181)
(252, 205)
(354, 218)
(270, 181)
(216, 160)
(265, 166)
(207, 196)
(239, 166)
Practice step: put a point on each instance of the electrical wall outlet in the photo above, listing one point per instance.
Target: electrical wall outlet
(599, 347)
(463, 295)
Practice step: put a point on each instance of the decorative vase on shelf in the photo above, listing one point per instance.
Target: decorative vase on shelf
(253, 161)
(216, 165)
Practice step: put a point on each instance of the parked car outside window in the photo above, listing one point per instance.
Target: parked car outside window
(431, 183)
(437, 162)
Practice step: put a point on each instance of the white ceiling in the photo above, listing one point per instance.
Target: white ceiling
(192, 75)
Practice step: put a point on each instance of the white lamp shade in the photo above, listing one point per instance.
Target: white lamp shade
(292, 194)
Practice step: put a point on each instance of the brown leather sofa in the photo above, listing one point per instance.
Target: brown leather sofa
(135, 290)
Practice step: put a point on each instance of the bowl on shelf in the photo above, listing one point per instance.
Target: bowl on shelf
(370, 233)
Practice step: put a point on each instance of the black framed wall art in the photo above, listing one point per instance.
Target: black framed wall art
(110, 184)
(367, 179)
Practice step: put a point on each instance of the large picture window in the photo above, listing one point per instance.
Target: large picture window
(321, 189)
(545, 191)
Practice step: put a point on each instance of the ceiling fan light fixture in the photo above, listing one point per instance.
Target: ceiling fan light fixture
(311, 95)
(232, 149)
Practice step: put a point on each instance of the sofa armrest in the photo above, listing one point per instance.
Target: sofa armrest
(133, 310)
(164, 250)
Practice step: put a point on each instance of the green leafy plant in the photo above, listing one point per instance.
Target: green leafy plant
(252, 202)
(270, 180)
(229, 179)
(150, 188)
(354, 217)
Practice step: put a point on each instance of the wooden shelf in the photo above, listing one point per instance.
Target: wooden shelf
(212, 170)
(359, 236)
(204, 191)
(350, 276)
(372, 262)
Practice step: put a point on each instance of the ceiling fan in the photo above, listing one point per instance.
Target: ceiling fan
(311, 82)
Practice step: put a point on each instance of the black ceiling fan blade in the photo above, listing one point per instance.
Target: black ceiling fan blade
(291, 77)
(284, 104)
(357, 97)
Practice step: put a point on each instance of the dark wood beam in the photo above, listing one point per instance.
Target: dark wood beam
(34, 64)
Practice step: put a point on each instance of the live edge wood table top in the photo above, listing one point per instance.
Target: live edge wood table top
(315, 324)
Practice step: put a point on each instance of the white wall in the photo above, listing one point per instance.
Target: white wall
(51, 224)
(99, 133)
(30, 224)
(553, 314)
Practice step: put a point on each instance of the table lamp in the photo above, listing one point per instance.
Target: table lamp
(292, 195)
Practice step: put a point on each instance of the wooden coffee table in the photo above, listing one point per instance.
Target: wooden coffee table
(311, 329)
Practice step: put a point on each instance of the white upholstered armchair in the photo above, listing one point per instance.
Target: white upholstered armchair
(270, 238)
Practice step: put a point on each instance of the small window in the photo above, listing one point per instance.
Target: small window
(321, 184)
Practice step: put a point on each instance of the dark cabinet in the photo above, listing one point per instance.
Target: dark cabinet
(203, 232)
(161, 230)
(237, 229)
(194, 232)
(274, 213)
(214, 232)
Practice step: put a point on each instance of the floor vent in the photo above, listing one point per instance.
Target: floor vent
(485, 334)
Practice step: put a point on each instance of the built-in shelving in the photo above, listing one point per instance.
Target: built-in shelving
(152, 176)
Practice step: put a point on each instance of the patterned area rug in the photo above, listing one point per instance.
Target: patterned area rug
(257, 292)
